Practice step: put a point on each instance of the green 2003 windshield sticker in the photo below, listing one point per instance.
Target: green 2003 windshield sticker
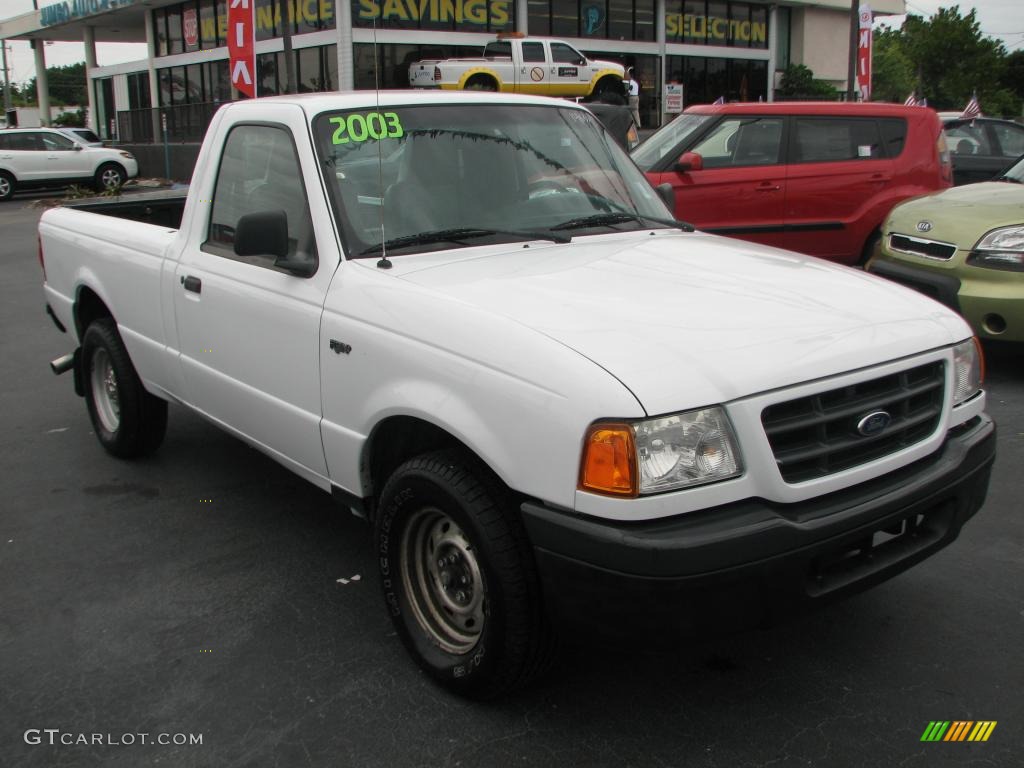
(372, 125)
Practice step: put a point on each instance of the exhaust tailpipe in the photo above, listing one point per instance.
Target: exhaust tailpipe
(62, 364)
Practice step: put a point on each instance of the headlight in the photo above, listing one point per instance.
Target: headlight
(661, 454)
(129, 155)
(968, 370)
(1001, 248)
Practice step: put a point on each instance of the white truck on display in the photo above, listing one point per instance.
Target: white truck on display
(470, 318)
(532, 65)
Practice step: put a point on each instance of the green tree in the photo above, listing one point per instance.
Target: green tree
(67, 85)
(892, 73)
(949, 58)
(798, 82)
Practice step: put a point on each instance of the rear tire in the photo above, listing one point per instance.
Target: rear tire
(128, 421)
(458, 576)
(481, 83)
(109, 176)
(7, 186)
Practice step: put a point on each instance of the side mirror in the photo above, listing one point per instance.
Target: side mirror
(667, 195)
(266, 234)
(262, 234)
(690, 161)
(77, 147)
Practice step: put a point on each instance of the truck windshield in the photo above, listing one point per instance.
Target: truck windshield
(410, 179)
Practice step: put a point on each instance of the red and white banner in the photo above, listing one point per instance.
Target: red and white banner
(242, 45)
(864, 54)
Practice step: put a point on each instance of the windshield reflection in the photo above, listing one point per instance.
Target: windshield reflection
(410, 177)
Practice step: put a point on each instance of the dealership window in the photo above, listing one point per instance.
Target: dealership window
(783, 18)
(175, 37)
(208, 33)
(390, 67)
(138, 91)
(706, 79)
(160, 25)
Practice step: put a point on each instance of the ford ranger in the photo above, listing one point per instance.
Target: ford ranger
(481, 329)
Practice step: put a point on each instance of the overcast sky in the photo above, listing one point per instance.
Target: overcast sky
(999, 18)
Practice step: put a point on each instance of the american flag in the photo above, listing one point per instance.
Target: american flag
(719, 100)
(973, 108)
(911, 100)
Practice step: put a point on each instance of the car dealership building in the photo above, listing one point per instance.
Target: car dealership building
(715, 48)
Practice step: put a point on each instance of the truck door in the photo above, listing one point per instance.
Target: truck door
(248, 329)
(532, 72)
(739, 188)
(837, 176)
(568, 70)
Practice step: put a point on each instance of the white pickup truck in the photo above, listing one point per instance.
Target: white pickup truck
(558, 407)
(532, 65)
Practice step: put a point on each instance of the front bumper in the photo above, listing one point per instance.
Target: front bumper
(991, 300)
(743, 564)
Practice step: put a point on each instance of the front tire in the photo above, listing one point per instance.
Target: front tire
(128, 421)
(458, 576)
(7, 186)
(109, 176)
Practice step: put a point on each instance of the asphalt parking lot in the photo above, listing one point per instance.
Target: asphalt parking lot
(197, 592)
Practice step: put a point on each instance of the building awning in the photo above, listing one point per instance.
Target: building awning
(112, 21)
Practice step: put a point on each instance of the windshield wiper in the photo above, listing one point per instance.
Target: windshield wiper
(457, 234)
(620, 217)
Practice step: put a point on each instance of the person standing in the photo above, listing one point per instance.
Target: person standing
(633, 91)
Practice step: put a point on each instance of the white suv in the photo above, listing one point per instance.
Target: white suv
(41, 157)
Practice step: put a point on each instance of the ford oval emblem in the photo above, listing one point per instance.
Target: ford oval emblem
(874, 423)
(924, 226)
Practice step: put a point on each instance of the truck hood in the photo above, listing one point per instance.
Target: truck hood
(961, 215)
(686, 320)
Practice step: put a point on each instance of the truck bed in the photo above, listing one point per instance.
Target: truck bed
(162, 208)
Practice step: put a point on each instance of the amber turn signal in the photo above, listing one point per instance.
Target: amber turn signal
(609, 460)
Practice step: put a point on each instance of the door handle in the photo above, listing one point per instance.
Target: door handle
(193, 284)
(769, 188)
(879, 177)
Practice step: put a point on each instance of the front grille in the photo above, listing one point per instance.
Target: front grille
(816, 436)
(919, 247)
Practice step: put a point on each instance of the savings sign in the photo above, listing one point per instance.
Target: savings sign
(242, 45)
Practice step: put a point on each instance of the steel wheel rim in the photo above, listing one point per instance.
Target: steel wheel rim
(443, 580)
(104, 390)
(111, 178)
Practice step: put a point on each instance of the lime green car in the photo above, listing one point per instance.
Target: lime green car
(964, 247)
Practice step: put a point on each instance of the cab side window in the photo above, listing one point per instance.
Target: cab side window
(1010, 138)
(741, 141)
(26, 142)
(834, 139)
(53, 142)
(533, 52)
(968, 139)
(259, 172)
(564, 54)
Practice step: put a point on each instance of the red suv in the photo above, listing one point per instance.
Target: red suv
(818, 178)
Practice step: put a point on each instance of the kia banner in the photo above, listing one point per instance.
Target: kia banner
(242, 45)
(864, 54)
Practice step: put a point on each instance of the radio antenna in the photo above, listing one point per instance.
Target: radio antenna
(384, 262)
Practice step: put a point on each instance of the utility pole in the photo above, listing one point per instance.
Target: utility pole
(851, 72)
(7, 84)
(286, 34)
